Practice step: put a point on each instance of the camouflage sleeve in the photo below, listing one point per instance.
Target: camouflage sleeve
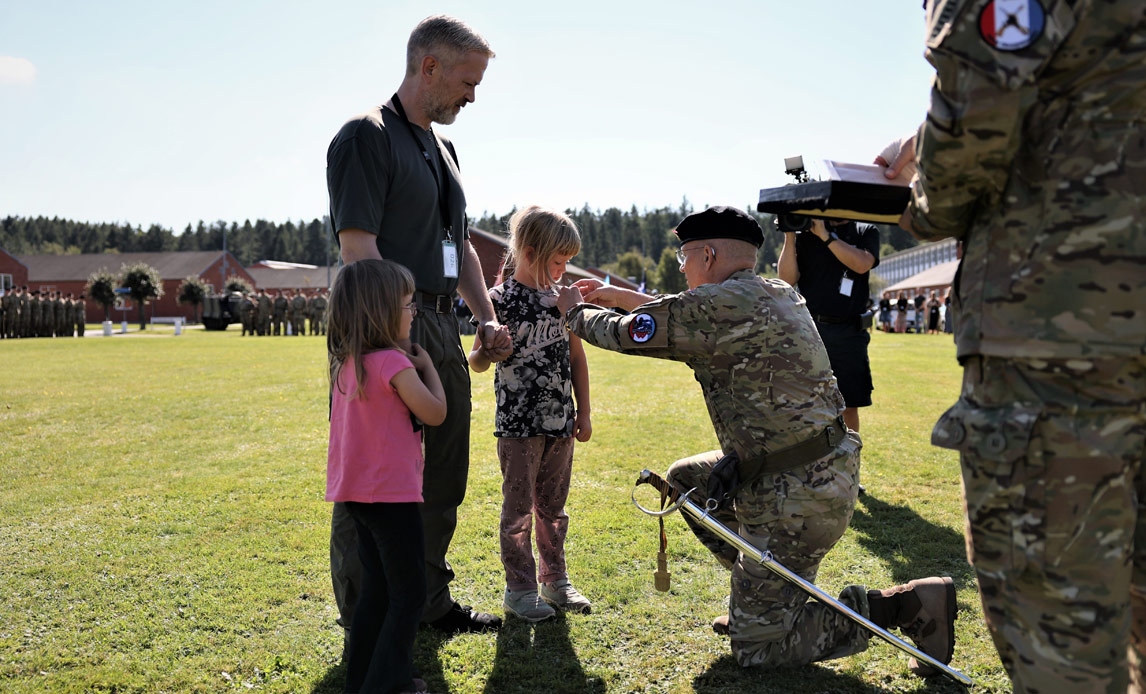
(979, 98)
(660, 328)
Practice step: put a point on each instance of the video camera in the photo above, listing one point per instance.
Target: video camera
(786, 221)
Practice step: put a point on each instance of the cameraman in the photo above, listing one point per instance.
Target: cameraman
(830, 266)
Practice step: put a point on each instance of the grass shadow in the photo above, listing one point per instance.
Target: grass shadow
(539, 657)
(910, 545)
(725, 676)
(332, 682)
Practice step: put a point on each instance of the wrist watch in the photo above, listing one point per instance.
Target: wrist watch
(832, 236)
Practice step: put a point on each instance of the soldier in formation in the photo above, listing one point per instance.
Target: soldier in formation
(278, 316)
(263, 306)
(316, 311)
(298, 313)
(37, 313)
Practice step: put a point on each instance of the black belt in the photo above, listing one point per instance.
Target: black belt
(438, 303)
(835, 320)
(802, 453)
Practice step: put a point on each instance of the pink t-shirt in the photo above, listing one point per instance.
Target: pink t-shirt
(375, 455)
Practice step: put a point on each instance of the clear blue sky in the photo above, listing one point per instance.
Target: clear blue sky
(159, 112)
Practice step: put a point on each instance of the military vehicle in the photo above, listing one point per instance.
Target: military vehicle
(220, 310)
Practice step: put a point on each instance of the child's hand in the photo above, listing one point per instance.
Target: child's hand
(582, 426)
(567, 298)
(420, 358)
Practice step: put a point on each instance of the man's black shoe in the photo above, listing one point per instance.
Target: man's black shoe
(461, 619)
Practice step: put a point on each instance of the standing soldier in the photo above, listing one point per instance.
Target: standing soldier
(48, 314)
(310, 314)
(1032, 155)
(25, 310)
(5, 313)
(35, 326)
(64, 323)
(318, 318)
(281, 305)
(298, 308)
(247, 314)
(263, 314)
(80, 315)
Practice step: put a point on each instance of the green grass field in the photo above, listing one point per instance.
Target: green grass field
(163, 529)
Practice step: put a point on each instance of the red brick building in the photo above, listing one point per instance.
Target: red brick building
(69, 274)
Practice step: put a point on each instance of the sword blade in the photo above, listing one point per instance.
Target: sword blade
(766, 560)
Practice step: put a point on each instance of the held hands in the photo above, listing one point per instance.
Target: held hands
(496, 344)
(582, 426)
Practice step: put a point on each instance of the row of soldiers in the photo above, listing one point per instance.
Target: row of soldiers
(262, 314)
(38, 313)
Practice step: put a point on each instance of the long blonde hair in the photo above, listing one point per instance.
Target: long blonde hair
(364, 315)
(547, 232)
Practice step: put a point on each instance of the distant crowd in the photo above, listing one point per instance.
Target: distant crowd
(37, 313)
(900, 313)
(286, 313)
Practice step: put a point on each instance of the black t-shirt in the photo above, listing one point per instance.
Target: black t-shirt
(378, 181)
(821, 273)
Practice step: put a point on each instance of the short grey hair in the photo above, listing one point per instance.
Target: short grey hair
(444, 37)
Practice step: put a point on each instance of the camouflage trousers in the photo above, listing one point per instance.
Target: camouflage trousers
(798, 515)
(1055, 496)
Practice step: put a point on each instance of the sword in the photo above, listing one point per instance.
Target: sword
(765, 559)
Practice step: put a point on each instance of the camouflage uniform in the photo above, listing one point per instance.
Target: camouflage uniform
(754, 349)
(318, 315)
(1034, 156)
(263, 316)
(48, 316)
(25, 313)
(281, 304)
(80, 316)
(247, 314)
(63, 316)
(298, 314)
(5, 313)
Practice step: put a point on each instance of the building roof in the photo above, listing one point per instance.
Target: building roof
(939, 275)
(309, 277)
(280, 265)
(171, 265)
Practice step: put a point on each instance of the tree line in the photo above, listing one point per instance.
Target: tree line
(633, 243)
(250, 242)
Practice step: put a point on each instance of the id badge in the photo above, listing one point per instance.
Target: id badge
(846, 286)
(449, 259)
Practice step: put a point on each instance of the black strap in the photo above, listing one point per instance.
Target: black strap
(807, 451)
(443, 190)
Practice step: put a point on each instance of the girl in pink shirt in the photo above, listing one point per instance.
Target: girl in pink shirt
(374, 464)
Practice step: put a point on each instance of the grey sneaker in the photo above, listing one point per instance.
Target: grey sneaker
(563, 595)
(526, 605)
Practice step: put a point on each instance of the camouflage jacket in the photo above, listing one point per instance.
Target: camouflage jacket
(281, 304)
(753, 348)
(1033, 153)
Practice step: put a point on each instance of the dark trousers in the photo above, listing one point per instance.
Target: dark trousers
(380, 652)
(446, 472)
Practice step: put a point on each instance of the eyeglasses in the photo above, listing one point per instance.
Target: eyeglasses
(680, 253)
(412, 307)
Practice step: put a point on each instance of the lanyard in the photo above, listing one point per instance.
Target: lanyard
(443, 191)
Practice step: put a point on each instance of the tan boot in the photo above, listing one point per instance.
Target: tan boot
(925, 611)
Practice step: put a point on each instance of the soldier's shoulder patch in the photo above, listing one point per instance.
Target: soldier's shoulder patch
(642, 328)
(1012, 25)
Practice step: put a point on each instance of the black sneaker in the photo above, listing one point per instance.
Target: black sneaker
(461, 619)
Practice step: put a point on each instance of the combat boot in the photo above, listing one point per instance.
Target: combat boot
(924, 610)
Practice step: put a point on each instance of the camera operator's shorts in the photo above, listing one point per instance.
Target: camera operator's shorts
(846, 344)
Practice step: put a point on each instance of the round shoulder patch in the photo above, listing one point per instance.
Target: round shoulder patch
(642, 327)
(1012, 25)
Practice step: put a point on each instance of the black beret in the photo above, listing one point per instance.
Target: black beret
(720, 223)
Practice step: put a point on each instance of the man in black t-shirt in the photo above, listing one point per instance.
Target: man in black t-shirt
(395, 193)
(830, 265)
